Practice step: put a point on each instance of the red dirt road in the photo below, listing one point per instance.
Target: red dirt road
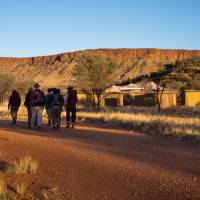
(96, 163)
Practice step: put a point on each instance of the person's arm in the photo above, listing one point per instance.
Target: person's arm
(65, 97)
(9, 103)
(46, 101)
(76, 96)
(43, 95)
(61, 100)
(26, 101)
(19, 101)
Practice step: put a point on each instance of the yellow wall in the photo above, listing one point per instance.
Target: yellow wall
(83, 99)
(168, 99)
(192, 98)
(82, 96)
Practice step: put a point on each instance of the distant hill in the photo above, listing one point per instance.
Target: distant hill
(56, 70)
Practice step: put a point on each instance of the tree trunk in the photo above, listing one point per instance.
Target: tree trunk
(98, 102)
(159, 101)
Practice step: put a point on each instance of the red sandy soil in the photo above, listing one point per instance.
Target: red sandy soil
(90, 163)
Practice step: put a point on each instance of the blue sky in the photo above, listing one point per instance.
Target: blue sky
(42, 27)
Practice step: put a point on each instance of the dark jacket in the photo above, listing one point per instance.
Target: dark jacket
(14, 101)
(48, 99)
(59, 102)
(27, 101)
(37, 98)
(71, 99)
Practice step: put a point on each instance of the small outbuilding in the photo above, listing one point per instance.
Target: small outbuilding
(150, 98)
(190, 98)
(167, 98)
(113, 99)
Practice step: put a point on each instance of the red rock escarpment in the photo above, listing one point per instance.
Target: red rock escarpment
(121, 54)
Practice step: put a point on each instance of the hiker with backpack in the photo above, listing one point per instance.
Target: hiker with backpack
(37, 106)
(27, 104)
(13, 105)
(56, 103)
(48, 106)
(70, 102)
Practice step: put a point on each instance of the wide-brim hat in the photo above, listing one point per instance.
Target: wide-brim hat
(36, 85)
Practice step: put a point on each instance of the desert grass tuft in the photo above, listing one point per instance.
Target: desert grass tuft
(24, 165)
(51, 193)
(21, 189)
(3, 190)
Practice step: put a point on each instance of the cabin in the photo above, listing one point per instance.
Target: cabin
(167, 99)
(190, 98)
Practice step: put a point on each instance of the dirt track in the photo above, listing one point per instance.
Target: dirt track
(95, 163)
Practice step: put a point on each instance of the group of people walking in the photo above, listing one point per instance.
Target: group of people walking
(53, 102)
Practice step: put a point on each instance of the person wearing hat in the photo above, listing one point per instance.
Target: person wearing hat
(70, 102)
(37, 106)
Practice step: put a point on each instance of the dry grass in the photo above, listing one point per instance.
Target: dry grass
(172, 121)
(22, 112)
(5, 113)
(53, 193)
(3, 190)
(24, 165)
(147, 121)
(21, 189)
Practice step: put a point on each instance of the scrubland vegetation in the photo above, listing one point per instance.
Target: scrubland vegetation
(24, 165)
(178, 121)
(21, 190)
(8, 82)
(173, 121)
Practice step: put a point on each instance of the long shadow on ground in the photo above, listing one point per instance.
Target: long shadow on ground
(161, 151)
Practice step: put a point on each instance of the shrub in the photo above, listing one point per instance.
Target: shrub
(24, 165)
(21, 189)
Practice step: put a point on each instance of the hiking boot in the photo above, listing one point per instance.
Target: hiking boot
(73, 124)
(68, 125)
(14, 122)
(54, 127)
(49, 123)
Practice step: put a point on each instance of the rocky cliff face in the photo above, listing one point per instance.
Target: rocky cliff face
(123, 54)
(55, 69)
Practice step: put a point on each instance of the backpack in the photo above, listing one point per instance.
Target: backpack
(55, 100)
(38, 97)
(48, 98)
(72, 98)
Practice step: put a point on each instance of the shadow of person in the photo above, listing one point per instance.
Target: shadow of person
(3, 165)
